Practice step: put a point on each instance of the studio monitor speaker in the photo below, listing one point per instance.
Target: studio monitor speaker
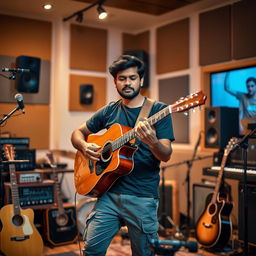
(221, 123)
(86, 93)
(28, 81)
(142, 55)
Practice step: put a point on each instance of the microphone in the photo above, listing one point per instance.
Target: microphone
(191, 245)
(16, 70)
(19, 99)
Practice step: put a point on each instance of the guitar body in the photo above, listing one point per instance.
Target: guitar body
(214, 227)
(18, 236)
(96, 177)
(61, 228)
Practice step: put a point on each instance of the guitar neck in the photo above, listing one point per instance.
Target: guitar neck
(219, 178)
(131, 134)
(14, 189)
(58, 190)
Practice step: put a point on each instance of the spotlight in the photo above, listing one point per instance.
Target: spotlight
(80, 17)
(47, 6)
(102, 13)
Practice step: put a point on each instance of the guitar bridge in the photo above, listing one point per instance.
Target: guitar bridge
(19, 238)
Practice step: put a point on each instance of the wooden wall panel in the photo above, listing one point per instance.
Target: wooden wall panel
(244, 29)
(21, 36)
(139, 42)
(33, 124)
(88, 48)
(215, 36)
(172, 47)
(29, 37)
(99, 86)
(136, 42)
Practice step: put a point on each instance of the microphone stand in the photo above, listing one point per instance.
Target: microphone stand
(187, 179)
(243, 144)
(9, 115)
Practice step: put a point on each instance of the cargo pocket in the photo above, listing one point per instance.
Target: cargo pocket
(88, 220)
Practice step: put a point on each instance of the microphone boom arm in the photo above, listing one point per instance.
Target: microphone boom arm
(9, 115)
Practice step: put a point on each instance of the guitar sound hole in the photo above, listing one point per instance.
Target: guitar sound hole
(17, 220)
(106, 152)
(212, 209)
(62, 220)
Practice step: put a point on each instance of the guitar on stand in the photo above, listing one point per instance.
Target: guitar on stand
(60, 221)
(18, 235)
(214, 227)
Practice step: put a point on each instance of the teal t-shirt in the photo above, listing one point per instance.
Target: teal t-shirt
(144, 179)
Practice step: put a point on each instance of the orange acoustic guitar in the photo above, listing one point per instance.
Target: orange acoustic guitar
(18, 236)
(214, 227)
(116, 153)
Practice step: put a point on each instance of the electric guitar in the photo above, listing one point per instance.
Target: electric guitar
(116, 153)
(60, 221)
(18, 236)
(214, 226)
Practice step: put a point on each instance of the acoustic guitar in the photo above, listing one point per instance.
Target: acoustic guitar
(214, 226)
(60, 221)
(116, 152)
(18, 236)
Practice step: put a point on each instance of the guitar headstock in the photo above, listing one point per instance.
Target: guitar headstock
(9, 152)
(191, 101)
(232, 142)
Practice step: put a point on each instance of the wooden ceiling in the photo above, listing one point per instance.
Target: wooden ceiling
(153, 7)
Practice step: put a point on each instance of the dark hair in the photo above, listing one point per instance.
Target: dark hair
(251, 79)
(127, 61)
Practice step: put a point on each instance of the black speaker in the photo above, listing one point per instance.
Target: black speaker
(200, 193)
(142, 55)
(28, 81)
(221, 123)
(86, 93)
(251, 213)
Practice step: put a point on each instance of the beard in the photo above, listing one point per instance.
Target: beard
(129, 95)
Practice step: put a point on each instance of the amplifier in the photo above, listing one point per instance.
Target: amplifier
(23, 154)
(36, 196)
(29, 177)
(16, 142)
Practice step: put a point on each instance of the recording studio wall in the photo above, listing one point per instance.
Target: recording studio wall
(88, 51)
(34, 39)
(138, 45)
(215, 27)
(170, 90)
(172, 47)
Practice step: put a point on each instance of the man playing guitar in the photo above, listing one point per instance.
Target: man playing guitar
(133, 198)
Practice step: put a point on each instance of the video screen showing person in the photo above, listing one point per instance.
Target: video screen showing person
(237, 89)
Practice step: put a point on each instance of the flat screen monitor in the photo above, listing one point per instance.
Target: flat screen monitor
(237, 81)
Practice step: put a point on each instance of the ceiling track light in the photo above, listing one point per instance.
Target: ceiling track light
(79, 14)
(101, 11)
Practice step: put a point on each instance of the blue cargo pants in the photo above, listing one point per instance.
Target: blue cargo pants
(112, 210)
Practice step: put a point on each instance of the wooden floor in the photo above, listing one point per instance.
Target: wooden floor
(75, 248)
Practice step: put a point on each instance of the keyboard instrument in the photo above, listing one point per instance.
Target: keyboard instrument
(236, 173)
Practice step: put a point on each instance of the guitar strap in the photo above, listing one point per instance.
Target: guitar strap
(145, 110)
